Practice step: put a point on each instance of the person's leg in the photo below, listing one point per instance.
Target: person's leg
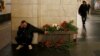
(83, 22)
(29, 42)
(18, 40)
(85, 18)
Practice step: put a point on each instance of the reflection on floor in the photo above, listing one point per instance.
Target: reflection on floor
(88, 43)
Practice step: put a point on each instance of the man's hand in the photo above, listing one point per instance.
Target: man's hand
(46, 32)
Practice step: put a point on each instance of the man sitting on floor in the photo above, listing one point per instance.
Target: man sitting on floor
(25, 34)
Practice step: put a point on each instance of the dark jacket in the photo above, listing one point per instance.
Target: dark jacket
(28, 31)
(83, 10)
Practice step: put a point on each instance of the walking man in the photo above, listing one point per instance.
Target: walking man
(83, 12)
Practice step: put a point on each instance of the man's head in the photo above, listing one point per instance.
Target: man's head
(23, 24)
(84, 2)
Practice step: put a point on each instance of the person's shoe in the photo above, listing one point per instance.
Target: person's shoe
(19, 47)
(30, 47)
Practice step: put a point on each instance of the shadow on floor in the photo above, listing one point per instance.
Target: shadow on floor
(36, 51)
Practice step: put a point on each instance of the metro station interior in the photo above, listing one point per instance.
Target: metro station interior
(41, 12)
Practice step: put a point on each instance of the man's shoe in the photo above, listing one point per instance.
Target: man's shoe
(30, 47)
(19, 47)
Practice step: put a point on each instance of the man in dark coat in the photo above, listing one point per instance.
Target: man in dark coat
(25, 34)
(83, 11)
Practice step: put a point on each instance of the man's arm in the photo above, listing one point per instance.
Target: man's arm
(79, 10)
(35, 29)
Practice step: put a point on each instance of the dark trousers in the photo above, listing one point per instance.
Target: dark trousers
(84, 18)
(24, 40)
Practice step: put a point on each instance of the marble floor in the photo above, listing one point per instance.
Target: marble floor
(5, 33)
(88, 40)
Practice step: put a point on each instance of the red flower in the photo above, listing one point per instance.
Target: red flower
(64, 24)
(47, 43)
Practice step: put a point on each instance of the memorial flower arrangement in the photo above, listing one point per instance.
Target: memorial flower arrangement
(64, 26)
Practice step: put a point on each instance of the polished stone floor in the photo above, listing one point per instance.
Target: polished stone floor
(88, 42)
(5, 33)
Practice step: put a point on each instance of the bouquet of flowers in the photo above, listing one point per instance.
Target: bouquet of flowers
(64, 26)
(50, 28)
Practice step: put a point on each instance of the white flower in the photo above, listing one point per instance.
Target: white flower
(54, 25)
